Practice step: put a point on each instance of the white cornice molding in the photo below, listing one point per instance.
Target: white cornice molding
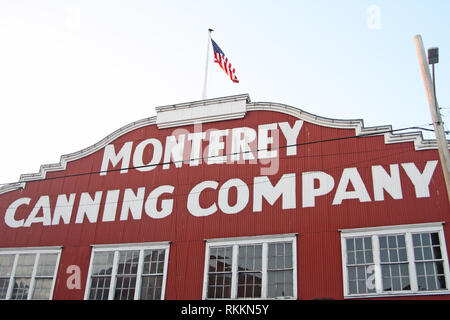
(357, 125)
(203, 111)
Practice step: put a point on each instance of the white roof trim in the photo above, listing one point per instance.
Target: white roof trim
(211, 110)
(357, 125)
(45, 168)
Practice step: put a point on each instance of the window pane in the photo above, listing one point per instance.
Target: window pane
(395, 275)
(431, 283)
(437, 252)
(404, 271)
(125, 286)
(100, 288)
(365, 280)
(101, 275)
(416, 240)
(422, 283)
(212, 260)
(360, 257)
(23, 276)
(395, 270)
(425, 239)
(42, 288)
(103, 263)
(427, 253)
(25, 265)
(361, 275)
(383, 242)
(359, 244)
(219, 275)
(401, 242)
(126, 275)
(367, 243)
(420, 269)
(405, 283)
(441, 282)
(280, 255)
(20, 289)
(128, 262)
(280, 281)
(219, 285)
(430, 274)
(429, 268)
(151, 287)
(352, 273)
(280, 284)
(392, 242)
(352, 287)
(435, 238)
(350, 244)
(393, 255)
(250, 259)
(249, 284)
(220, 259)
(351, 258)
(248, 255)
(46, 264)
(418, 253)
(384, 257)
(369, 256)
(3, 287)
(396, 284)
(248, 268)
(6, 264)
(362, 253)
(402, 255)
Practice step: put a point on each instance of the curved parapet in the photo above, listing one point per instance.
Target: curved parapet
(220, 109)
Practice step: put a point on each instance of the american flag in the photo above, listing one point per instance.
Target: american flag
(223, 62)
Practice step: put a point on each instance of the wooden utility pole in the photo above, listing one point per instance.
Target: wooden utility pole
(444, 154)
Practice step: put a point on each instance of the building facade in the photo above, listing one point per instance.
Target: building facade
(229, 199)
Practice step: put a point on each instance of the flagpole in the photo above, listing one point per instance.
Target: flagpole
(206, 64)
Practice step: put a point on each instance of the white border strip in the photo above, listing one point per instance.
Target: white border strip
(385, 229)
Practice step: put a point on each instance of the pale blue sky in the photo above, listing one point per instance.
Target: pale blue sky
(71, 72)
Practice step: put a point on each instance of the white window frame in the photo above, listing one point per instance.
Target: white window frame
(31, 250)
(406, 230)
(125, 247)
(238, 241)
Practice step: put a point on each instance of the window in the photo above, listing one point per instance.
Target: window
(28, 273)
(255, 267)
(395, 260)
(128, 272)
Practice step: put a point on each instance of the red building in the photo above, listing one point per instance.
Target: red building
(225, 198)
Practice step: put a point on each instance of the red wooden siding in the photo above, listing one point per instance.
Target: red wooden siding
(318, 241)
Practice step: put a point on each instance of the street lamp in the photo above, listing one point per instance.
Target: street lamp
(433, 55)
(433, 58)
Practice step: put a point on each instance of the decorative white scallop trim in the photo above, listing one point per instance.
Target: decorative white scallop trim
(357, 125)
(45, 168)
